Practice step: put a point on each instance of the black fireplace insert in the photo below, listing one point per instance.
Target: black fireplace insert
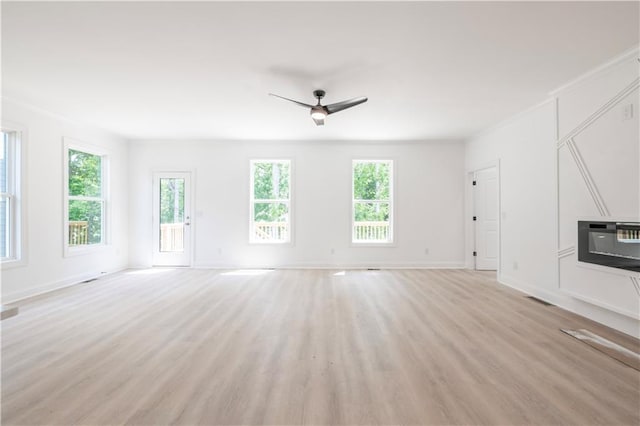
(613, 244)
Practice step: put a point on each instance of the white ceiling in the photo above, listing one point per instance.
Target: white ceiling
(431, 70)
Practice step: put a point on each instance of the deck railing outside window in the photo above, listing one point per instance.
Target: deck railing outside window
(78, 232)
(271, 231)
(370, 231)
(172, 234)
(171, 237)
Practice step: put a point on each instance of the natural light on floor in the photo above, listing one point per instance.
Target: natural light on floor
(247, 272)
(340, 274)
(150, 271)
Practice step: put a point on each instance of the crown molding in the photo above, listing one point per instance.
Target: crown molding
(625, 56)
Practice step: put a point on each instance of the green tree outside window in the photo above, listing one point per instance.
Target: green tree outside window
(270, 200)
(372, 201)
(86, 205)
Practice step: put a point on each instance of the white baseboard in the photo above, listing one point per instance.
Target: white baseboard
(620, 321)
(21, 295)
(139, 266)
(537, 292)
(604, 305)
(324, 265)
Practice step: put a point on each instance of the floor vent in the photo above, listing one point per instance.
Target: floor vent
(542, 302)
(607, 347)
(373, 269)
(89, 280)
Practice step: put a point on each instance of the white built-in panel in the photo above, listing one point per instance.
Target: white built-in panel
(599, 177)
(609, 149)
(599, 287)
(575, 198)
(579, 101)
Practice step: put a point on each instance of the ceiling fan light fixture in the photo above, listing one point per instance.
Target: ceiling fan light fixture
(318, 114)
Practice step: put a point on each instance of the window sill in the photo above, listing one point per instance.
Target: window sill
(80, 251)
(373, 244)
(272, 243)
(12, 263)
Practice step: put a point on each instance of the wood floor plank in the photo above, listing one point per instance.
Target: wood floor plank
(189, 346)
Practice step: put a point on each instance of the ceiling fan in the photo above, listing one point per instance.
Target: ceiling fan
(320, 112)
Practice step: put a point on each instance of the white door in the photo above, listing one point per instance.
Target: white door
(172, 219)
(486, 218)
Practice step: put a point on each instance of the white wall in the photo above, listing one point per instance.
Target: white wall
(525, 149)
(533, 167)
(428, 202)
(46, 268)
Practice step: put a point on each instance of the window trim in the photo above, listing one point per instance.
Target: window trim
(390, 242)
(17, 192)
(69, 143)
(252, 201)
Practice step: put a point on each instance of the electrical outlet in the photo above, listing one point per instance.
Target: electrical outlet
(627, 112)
(426, 251)
(515, 266)
(219, 251)
(333, 251)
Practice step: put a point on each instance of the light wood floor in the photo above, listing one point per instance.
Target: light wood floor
(306, 347)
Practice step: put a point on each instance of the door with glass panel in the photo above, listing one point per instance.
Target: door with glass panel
(172, 219)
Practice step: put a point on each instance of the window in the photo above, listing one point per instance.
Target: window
(10, 209)
(270, 201)
(372, 209)
(171, 200)
(85, 198)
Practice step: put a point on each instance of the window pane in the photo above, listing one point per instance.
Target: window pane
(271, 180)
(171, 214)
(271, 221)
(371, 181)
(8, 206)
(85, 174)
(5, 229)
(371, 222)
(4, 158)
(371, 212)
(85, 222)
(171, 200)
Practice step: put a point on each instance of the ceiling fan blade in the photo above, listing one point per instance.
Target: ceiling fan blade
(339, 106)
(318, 121)
(291, 100)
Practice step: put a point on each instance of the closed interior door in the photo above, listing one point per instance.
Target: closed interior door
(486, 223)
(171, 219)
